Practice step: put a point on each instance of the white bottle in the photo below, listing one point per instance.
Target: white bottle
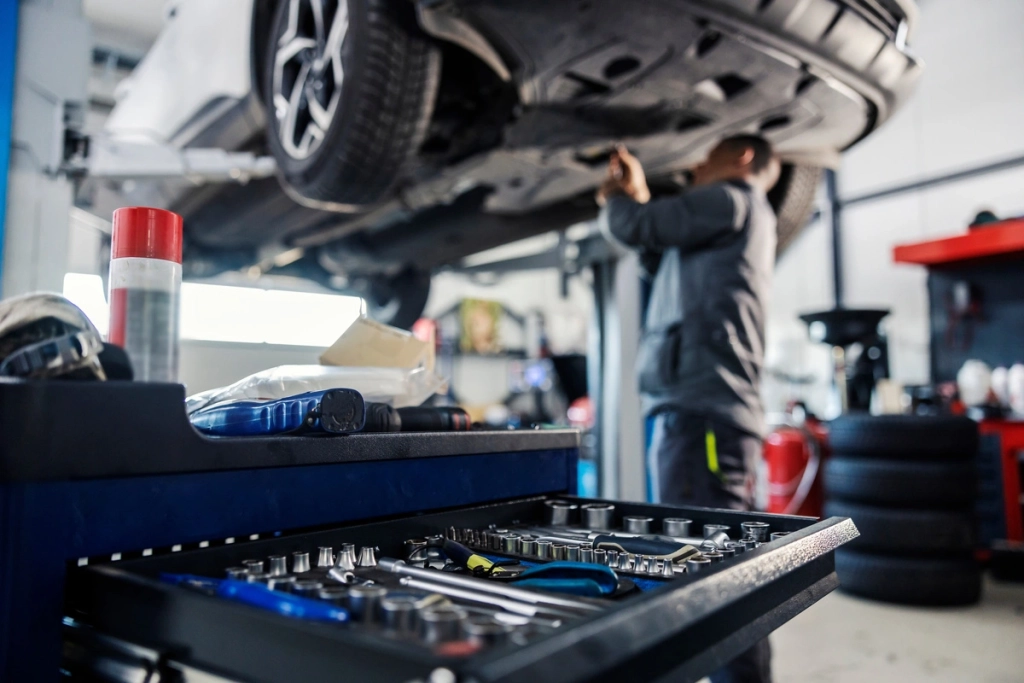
(974, 381)
(1015, 389)
(1001, 385)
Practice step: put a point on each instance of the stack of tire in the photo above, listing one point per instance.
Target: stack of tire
(908, 483)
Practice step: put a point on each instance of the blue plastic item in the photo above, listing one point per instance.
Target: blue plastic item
(258, 595)
(336, 411)
(575, 578)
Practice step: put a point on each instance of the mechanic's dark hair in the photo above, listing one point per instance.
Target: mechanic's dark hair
(763, 150)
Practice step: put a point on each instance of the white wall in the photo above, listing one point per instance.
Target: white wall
(967, 112)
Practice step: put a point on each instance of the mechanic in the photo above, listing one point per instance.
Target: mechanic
(711, 251)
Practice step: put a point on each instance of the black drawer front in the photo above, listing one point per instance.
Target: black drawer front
(682, 629)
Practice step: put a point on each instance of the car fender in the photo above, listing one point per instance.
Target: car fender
(198, 71)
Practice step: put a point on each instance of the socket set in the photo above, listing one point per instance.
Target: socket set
(425, 599)
(590, 533)
(548, 588)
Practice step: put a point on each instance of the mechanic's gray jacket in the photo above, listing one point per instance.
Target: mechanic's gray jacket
(703, 343)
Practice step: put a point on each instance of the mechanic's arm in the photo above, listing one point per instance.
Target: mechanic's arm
(689, 221)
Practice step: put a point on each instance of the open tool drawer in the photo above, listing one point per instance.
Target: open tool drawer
(678, 628)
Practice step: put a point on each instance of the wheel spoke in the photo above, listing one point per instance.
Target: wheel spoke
(332, 50)
(321, 116)
(292, 29)
(292, 48)
(318, 21)
(311, 133)
(290, 120)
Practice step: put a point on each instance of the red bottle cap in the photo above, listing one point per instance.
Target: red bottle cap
(144, 232)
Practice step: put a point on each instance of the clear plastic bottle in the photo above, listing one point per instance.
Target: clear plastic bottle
(145, 290)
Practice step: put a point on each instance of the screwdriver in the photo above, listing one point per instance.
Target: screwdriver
(260, 596)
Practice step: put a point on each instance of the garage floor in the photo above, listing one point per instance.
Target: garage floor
(843, 639)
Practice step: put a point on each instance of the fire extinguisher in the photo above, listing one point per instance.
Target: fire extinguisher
(793, 455)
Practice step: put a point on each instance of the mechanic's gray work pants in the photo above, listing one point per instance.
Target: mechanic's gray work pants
(695, 461)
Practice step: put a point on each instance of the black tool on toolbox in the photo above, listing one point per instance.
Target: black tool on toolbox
(381, 417)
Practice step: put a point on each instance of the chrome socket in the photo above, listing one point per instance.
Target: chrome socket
(325, 557)
(300, 562)
(676, 526)
(510, 544)
(736, 547)
(237, 573)
(558, 551)
(714, 556)
(667, 570)
(253, 566)
(600, 556)
(545, 550)
(572, 553)
(364, 602)
(485, 630)
(400, 613)
(755, 530)
(335, 595)
(637, 525)
(560, 513)
(278, 565)
(749, 543)
(528, 546)
(587, 555)
(727, 552)
(598, 516)
(441, 624)
(346, 559)
(713, 529)
(776, 535)
(307, 588)
(367, 556)
(613, 558)
(697, 564)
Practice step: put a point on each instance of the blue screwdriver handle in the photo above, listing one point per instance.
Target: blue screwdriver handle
(258, 595)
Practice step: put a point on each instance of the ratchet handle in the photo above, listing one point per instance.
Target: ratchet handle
(662, 550)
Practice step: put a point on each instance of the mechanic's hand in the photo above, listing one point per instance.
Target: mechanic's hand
(625, 177)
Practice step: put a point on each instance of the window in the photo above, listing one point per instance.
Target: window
(237, 314)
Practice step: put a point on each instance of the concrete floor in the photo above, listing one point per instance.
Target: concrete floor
(843, 639)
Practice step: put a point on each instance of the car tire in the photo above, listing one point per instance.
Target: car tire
(374, 107)
(904, 437)
(793, 199)
(907, 532)
(900, 483)
(933, 582)
(398, 301)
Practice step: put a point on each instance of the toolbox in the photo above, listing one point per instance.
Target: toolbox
(105, 490)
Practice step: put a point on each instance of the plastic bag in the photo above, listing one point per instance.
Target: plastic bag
(398, 387)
